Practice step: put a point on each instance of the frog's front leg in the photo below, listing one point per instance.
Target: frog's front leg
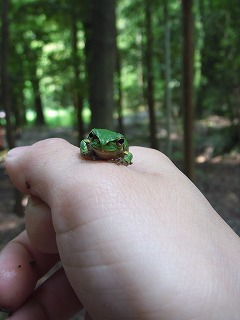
(84, 148)
(126, 159)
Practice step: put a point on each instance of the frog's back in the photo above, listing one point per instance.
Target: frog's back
(106, 135)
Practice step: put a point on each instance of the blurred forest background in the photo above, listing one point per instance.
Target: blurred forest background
(165, 73)
(159, 64)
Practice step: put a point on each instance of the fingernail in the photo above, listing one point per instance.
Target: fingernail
(15, 152)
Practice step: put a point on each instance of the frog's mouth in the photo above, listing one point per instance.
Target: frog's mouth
(106, 154)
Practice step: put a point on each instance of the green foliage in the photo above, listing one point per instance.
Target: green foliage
(220, 58)
(58, 116)
(40, 50)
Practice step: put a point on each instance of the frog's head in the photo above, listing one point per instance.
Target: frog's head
(107, 141)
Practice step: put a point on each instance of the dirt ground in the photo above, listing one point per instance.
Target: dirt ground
(218, 179)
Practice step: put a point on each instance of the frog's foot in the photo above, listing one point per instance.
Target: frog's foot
(128, 157)
(120, 161)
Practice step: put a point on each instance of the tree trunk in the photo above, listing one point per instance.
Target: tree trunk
(40, 120)
(188, 103)
(149, 74)
(6, 93)
(20, 109)
(119, 90)
(168, 93)
(4, 73)
(78, 96)
(101, 62)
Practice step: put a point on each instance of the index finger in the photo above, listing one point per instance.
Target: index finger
(21, 266)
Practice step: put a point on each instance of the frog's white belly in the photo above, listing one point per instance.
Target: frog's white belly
(107, 155)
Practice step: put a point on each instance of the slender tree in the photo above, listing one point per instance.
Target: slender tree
(78, 88)
(6, 92)
(101, 61)
(119, 90)
(168, 93)
(149, 74)
(188, 102)
(40, 120)
(33, 60)
(4, 71)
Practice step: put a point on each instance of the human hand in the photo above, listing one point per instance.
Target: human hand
(136, 242)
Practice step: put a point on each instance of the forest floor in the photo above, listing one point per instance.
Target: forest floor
(217, 177)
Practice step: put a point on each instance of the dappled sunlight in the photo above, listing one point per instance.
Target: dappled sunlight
(214, 121)
(206, 155)
(10, 223)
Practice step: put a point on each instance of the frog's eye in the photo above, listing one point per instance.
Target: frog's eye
(91, 135)
(120, 142)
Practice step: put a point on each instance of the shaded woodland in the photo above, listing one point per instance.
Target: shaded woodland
(177, 62)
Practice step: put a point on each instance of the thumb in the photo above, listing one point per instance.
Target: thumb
(33, 169)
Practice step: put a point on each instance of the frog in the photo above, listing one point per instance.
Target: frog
(104, 144)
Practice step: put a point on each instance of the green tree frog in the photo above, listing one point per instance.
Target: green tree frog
(103, 144)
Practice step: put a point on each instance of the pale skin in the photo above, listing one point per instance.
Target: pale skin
(136, 242)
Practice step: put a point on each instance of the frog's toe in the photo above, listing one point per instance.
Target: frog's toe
(122, 161)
